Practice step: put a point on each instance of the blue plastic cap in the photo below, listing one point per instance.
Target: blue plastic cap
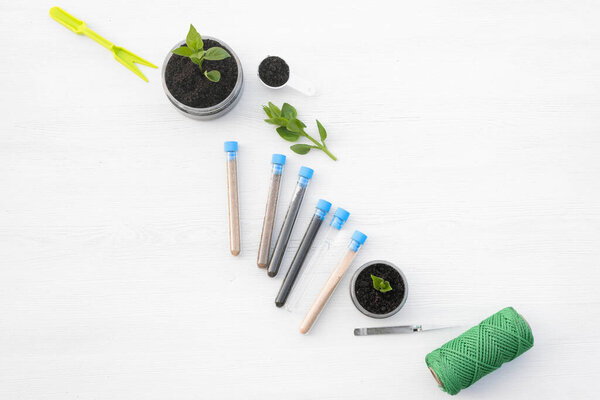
(306, 172)
(342, 214)
(359, 237)
(278, 159)
(324, 205)
(231, 146)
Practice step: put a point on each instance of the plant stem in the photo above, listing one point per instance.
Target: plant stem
(321, 146)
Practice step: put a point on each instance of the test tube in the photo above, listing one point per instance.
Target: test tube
(277, 161)
(233, 203)
(314, 266)
(304, 177)
(321, 211)
(358, 239)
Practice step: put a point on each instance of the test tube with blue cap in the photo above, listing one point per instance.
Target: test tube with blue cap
(323, 207)
(316, 264)
(231, 150)
(264, 248)
(304, 177)
(358, 239)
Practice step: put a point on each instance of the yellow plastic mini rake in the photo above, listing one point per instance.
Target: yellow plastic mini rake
(122, 55)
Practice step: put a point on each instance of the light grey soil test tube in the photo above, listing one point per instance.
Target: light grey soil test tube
(233, 197)
(264, 248)
(321, 210)
(304, 177)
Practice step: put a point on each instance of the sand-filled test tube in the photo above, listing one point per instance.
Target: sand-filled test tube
(304, 177)
(315, 264)
(233, 203)
(358, 239)
(264, 248)
(323, 207)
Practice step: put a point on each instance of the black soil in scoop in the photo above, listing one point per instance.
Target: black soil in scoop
(188, 84)
(274, 71)
(373, 300)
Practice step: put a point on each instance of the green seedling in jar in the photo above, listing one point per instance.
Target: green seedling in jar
(194, 50)
(291, 129)
(380, 284)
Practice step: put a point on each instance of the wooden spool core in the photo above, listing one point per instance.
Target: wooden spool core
(436, 377)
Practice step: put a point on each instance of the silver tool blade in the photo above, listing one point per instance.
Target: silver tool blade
(396, 329)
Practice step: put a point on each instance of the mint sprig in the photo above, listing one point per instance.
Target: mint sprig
(381, 284)
(194, 50)
(290, 128)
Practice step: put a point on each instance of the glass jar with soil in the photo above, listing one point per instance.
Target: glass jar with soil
(192, 93)
(373, 302)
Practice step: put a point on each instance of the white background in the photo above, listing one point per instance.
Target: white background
(467, 133)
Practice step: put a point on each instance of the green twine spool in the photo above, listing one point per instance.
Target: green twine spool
(482, 349)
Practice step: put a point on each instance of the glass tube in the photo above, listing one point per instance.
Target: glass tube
(316, 266)
(321, 211)
(358, 239)
(264, 248)
(304, 177)
(233, 197)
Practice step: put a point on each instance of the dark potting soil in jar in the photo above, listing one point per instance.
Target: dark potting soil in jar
(373, 300)
(274, 71)
(187, 83)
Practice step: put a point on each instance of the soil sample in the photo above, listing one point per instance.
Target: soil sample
(274, 71)
(187, 82)
(372, 299)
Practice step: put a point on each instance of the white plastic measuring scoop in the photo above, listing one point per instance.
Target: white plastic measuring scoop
(294, 81)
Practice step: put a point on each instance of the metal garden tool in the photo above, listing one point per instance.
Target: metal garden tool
(122, 55)
(397, 329)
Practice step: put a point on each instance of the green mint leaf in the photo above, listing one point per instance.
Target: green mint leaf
(288, 111)
(216, 54)
(279, 121)
(301, 148)
(183, 51)
(267, 111)
(193, 39)
(213, 76)
(275, 110)
(295, 125)
(322, 131)
(287, 134)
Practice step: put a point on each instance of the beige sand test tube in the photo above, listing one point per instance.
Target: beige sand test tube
(233, 198)
(358, 239)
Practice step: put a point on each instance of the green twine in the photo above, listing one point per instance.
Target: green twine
(482, 349)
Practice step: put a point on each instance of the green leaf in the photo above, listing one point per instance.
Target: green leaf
(279, 121)
(216, 54)
(301, 148)
(385, 287)
(275, 110)
(213, 76)
(287, 134)
(288, 111)
(193, 39)
(381, 284)
(267, 111)
(183, 51)
(322, 131)
(197, 58)
(295, 125)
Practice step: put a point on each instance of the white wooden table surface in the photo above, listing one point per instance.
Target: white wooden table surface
(468, 138)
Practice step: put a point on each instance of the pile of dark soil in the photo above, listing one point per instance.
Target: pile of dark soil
(274, 71)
